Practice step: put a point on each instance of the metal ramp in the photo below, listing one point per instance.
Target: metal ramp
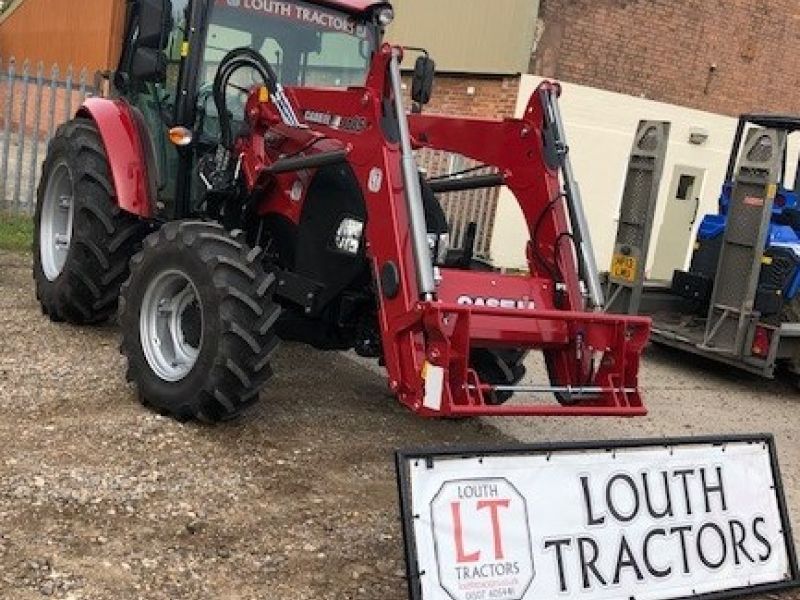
(639, 198)
(731, 311)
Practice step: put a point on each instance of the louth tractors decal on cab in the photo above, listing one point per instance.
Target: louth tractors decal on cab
(313, 16)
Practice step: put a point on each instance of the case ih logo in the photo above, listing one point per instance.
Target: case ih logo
(356, 123)
(483, 550)
(521, 304)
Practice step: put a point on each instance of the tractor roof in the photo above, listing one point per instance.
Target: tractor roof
(784, 122)
(352, 6)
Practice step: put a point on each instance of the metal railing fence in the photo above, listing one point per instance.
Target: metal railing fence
(462, 208)
(34, 100)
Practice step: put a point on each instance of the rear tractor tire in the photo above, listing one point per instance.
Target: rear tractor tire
(198, 322)
(83, 241)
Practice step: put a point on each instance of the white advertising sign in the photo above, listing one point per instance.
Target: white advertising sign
(634, 520)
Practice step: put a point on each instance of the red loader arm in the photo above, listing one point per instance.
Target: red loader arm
(592, 357)
(429, 321)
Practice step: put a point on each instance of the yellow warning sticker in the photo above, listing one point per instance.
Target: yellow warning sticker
(624, 267)
(772, 191)
(185, 49)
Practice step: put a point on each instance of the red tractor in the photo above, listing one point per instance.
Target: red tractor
(253, 178)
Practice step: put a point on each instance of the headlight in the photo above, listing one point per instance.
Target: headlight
(348, 236)
(439, 243)
(385, 16)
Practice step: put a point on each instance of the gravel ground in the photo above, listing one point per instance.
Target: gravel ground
(102, 499)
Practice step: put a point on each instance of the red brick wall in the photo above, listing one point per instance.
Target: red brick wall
(724, 56)
(493, 98)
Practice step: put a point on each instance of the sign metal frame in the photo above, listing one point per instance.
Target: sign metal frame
(430, 455)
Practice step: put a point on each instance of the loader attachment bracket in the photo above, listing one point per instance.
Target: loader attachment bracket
(449, 328)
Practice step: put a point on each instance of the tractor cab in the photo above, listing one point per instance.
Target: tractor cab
(780, 276)
(786, 199)
(307, 46)
(172, 56)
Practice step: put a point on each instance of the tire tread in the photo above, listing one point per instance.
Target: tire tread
(246, 321)
(103, 236)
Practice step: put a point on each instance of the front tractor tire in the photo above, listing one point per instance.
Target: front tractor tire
(198, 322)
(83, 241)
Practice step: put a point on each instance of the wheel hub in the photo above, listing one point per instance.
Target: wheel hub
(171, 325)
(55, 229)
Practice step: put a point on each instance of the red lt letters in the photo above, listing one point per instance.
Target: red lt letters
(497, 535)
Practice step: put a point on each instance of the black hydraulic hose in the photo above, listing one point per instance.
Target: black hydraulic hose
(232, 62)
(552, 270)
(460, 184)
(314, 161)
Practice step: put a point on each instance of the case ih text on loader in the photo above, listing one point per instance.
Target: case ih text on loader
(253, 178)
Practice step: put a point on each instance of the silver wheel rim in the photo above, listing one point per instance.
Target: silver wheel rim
(55, 227)
(171, 325)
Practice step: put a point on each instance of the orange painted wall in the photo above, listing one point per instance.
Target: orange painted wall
(83, 33)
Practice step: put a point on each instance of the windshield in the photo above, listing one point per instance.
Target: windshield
(307, 45)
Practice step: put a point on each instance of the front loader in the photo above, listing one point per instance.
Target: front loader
(253, 178)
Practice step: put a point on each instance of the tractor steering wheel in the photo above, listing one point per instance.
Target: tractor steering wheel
(235, 60)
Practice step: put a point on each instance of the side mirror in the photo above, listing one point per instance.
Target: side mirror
(155, 22)
(422, 82)
(148, 62)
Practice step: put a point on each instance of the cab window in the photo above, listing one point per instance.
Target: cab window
(307, 45)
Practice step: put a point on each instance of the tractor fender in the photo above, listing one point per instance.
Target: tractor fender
(121, 135)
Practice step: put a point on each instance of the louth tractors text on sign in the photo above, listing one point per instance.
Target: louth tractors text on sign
(661, 522)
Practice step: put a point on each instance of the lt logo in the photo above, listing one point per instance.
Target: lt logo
(482, 540)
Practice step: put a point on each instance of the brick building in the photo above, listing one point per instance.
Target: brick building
(480, 54)
(723, 56)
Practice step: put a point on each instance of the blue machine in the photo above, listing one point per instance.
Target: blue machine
(779, 281)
